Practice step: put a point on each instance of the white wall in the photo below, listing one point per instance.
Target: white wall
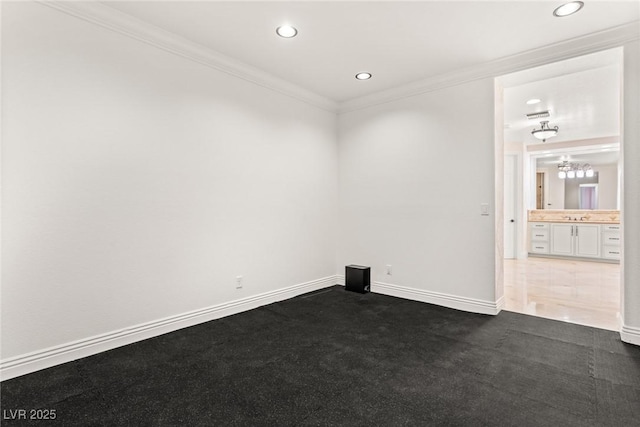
(138, 184)
(631, 194)
(607, 187)
(413, 174)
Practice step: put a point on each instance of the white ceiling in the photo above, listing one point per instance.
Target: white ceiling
(582, 96)
(398, 42)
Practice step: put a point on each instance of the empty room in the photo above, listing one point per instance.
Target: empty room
(302, 213)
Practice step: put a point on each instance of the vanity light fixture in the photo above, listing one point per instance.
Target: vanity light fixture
(363, 76)
(574, 170)
(286, 31)
(545, 131)
(568, 9)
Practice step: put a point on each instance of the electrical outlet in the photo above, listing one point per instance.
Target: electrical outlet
(238, 282)
(389, 270)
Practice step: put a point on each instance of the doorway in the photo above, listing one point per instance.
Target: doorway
(570, 289)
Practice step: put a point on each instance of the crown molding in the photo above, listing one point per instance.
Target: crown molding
(583, 45)
(107, 17)
(112, 19)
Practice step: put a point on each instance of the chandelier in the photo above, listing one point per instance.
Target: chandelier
(545, 131)
(574, 170)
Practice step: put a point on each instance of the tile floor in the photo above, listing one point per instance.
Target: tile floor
(582, 292)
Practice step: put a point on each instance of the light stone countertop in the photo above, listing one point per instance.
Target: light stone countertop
(575, 216)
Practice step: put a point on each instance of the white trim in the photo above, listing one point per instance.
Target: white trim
(590, 43)
(122, 23)
(630, 334)
(41, 359)
(500, 304)
(446, 300)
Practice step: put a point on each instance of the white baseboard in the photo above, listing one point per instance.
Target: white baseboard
(630, 334)
(41, 359)
(446, 300)
(500, 304)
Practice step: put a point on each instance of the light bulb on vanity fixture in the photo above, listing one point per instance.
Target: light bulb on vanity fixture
(574, 170)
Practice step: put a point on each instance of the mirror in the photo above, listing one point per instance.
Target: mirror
(577, 190)
(588, 196)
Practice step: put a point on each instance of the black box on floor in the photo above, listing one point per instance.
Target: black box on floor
(358, 278)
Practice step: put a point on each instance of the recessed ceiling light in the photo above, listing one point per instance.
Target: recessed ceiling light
(533, 101)
(286, 31)
(568, 9)
(363, 76)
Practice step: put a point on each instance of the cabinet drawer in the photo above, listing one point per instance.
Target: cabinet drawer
(540, 247)
(611, 227)
(611, 252)
(539, 226)
(611, 238)
(540, 235)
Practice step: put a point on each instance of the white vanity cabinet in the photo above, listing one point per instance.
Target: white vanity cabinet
(587, 240)
(611, 241)
(581, 240)
(567, 239)
(539, 236)
(562, 241)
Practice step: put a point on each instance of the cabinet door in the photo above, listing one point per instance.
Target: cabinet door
(587, 238)
(562, 239)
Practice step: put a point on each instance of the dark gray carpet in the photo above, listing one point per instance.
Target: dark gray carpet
(340, 358)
